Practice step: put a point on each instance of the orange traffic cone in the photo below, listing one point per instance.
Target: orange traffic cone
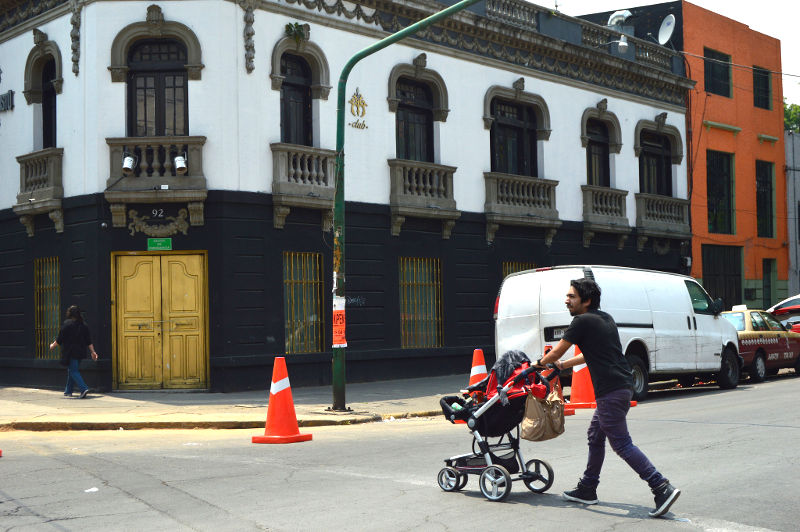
(478, 372)
(582, 391)
(281, 418)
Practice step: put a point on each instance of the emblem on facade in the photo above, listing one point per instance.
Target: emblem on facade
(358, 108)
(144, 225)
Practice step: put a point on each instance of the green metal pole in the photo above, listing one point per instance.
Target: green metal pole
(338, 363)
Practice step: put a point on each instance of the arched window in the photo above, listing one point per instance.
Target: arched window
(513, 137)
(296, 115)
(49, 104)
(414, 121)
(157, 89)
(597, 150)
(655, 164)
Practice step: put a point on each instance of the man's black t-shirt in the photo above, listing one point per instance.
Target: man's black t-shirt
(595, 333)
(74, 338)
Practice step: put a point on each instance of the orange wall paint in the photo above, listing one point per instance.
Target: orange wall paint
(703, 28)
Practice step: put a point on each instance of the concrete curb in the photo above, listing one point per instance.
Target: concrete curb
(343, 419)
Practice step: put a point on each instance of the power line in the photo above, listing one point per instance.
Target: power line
(729, 63)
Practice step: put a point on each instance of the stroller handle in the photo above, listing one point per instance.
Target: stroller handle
(545, 380)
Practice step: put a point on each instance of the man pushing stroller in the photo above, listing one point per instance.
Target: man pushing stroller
(595, 332)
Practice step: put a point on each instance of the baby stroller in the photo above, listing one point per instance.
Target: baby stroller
(496, 416)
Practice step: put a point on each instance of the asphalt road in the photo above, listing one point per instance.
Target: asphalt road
(734, 454)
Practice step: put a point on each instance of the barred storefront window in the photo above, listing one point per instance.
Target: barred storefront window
(47, 302)
(302, 302)
(510, 267)
(420, 302)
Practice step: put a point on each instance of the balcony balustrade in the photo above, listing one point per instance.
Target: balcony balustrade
(521, 201)
(604, 211)
(661, 217)
(303, 177)
(40, 188)
(153, 178)
(422, 190)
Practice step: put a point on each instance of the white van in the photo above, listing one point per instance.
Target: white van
(668, 325)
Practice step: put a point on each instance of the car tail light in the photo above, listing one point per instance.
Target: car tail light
(496, 304)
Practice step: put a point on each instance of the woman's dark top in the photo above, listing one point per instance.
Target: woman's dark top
(74, 339)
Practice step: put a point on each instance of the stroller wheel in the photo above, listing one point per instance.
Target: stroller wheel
(463, 482)
(539, 476)
(495, 483)
(449, 479)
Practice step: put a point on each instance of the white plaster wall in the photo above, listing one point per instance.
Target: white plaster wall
(239, 113)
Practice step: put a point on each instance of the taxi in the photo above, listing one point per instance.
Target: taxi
(764, 344)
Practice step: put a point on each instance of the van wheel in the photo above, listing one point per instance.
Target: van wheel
(758, 371)
(640, 377)
(728, 377)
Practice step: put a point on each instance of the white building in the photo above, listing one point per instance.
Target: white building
(507, 136)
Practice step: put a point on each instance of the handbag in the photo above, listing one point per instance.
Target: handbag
(544, 418)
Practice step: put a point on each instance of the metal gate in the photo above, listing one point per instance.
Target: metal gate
(722, 273)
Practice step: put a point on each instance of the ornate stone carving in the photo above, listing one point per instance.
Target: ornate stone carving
(279, 214)
(196, 216)
(417, 71)
(155, 18)
(75, 35)
(661, 119)
(39, 37)
(58, 219)
(27, 221)
(33, 67)
(249, 44)
(640, 242)
(176, 224)
(313, 54)
(518, 94)
(118, 218)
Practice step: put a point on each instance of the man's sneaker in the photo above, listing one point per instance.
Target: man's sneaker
(83, 393)
(665, 495)
(581, 493)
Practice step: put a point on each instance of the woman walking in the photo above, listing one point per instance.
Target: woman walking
(74, 338)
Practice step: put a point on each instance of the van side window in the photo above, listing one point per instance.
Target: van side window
(701, 303)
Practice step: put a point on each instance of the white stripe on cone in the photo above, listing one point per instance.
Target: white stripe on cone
(576, 369)
(477, 370)
(279, 386)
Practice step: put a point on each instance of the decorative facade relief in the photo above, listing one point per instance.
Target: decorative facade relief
(143, 224)
(249, 32)
(75, 35)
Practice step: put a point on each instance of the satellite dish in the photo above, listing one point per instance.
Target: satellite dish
(666, 29)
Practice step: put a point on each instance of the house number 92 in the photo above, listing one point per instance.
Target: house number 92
(158, 213)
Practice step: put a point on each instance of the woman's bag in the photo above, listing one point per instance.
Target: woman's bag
(544, 418)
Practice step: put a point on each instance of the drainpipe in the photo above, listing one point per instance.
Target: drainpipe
(338, 362)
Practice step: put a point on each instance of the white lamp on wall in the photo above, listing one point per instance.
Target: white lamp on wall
(180, 163)
(129, 162)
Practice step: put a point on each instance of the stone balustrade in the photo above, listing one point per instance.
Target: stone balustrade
(513, 12)
(604, 211)
(153, 178)
(522, 201)
(423, 190)
(302, 176)
(661, 217)
(40, 187)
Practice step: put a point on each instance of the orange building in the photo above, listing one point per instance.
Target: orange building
(735, 147)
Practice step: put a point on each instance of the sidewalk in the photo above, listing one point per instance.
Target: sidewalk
(36, 409)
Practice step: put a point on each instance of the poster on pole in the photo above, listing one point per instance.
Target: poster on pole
(339, 322)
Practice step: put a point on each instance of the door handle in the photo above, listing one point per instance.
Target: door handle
(688, 323)
(695, 323)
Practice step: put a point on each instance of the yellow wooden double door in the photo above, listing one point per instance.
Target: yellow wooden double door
(160, 306)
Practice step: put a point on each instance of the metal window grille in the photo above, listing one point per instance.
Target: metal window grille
(768, 269)
(764, 199)
(420, 302)
(302, 302)
(47, 301)
(510, 267)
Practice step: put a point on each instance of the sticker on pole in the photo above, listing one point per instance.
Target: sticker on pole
(339, 323)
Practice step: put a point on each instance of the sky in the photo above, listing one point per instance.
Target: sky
(776, 18)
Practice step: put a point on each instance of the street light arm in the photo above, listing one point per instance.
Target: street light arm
(338, 362)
